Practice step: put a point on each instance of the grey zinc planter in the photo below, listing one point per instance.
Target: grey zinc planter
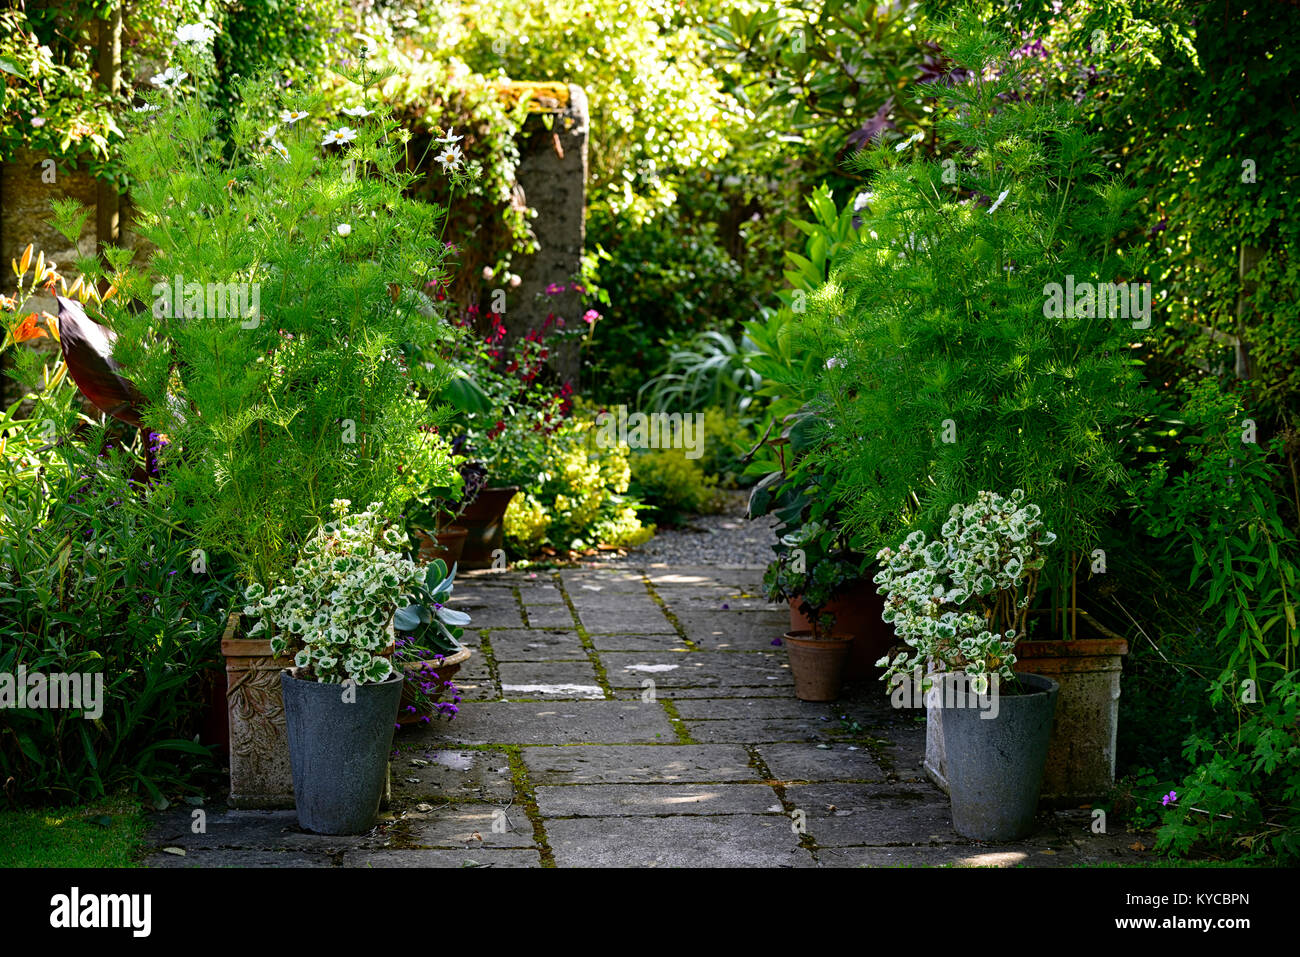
(339, 750)
(995, 765)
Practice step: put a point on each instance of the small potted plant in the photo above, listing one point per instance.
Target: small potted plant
(959, 604)
(335, 618)
(808, 576)
(431, 516)
(428, 651)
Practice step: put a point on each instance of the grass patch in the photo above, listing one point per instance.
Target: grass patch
(105, 834)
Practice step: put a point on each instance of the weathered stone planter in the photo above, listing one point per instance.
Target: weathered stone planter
(260, 773)
(1081, 756)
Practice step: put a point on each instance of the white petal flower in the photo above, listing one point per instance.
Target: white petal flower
(862, 200)
(194, 33)
(344, 134)
(450, 157)
(356, 111)
(292, 116)
(343, 229)
(280, 149)
(450, 138)
(146, 108)
(270, 131)
(168, 78)
(914, 138)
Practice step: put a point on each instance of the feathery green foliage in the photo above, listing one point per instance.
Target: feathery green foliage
(950, 372)
(276, 405)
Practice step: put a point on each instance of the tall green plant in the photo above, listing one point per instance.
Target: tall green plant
(286, 274)
(962, 353)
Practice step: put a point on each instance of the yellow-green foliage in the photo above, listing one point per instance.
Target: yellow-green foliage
(726, 439)
(580, 497)
(674, 484)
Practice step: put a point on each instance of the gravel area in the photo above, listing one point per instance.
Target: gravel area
(728, 538)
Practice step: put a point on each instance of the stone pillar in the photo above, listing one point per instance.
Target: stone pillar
(553, 175)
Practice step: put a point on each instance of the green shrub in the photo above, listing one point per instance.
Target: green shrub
(674, 486)
(576, 497)
(95, 578)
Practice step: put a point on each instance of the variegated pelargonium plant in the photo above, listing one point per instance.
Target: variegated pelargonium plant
(960, 601)
(351, 585)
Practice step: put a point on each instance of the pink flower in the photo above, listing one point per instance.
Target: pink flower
(590, 316)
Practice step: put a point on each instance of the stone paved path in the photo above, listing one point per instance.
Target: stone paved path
(641, 717)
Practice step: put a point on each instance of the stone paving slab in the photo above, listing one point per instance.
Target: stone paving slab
(734, 840)
(502, 613)
(243, 857)
(656, 800)
(643, 643)
(740, 630)
(746, 732)
(649, 621)
(603, 579)
(436, 775)
(441, 857)
(697, 669)
(638, 764)
(785, 707)
(840, 814)
(809, 762)
(548, 616)
(533, 645)
(558, 722)
(773, 689)
(461, 825)
(547, 680)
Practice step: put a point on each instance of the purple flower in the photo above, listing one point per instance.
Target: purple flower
(1170, 798)
(776, 642)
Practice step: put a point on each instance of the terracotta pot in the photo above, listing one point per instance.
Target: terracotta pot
(483, 522)
(857, 610)
(817, 664)
(260, 773)
(447, 544)
(446, 670)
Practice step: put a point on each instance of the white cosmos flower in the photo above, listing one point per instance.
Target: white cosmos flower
(344, 134)
(862, 200)
(450, 138)
(168, 78)
(194, 33)
(356, 111)
(998, 201)
(146, 108)
(292, 116)
(270, 131)
(280, 149)
(343, 229)
(450, 157)
(914, 138)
